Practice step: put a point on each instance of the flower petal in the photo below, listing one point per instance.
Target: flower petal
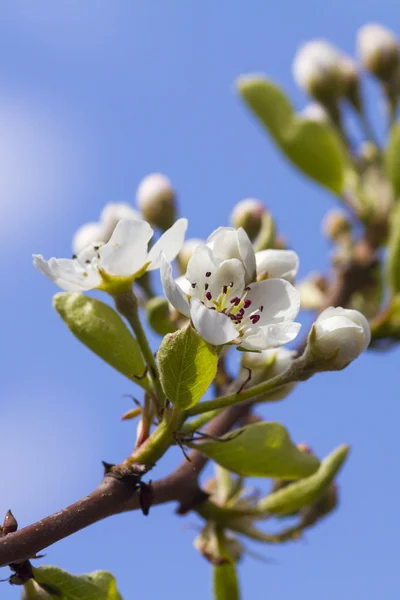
(282, 264)
(86, 235)
(172, 290)
(228, 242)
(201, 268)
(270, 336)
(278, 298)
(169, 243)
(68, 273)
(126, 252)
(214, 327)
(113, 213)
(231, 275)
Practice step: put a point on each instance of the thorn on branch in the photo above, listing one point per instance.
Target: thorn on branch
(10, 524)
(146, 497)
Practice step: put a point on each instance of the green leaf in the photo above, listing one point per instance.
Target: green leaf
(315, 148)
(187, 365)
(60, 585)
(392, 158)
(226, 586)
(306, 491)
(260, 450)
(102, 330)
(393, 255)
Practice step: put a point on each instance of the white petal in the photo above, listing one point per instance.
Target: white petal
(68, 273)
(113, 213)
(214, 327)
(228, 242)
(126, 252)
(86, 235)
(278, 298)
(201, 268)
(230, 274)
(169, 243)
(282, 264)
(172, 290)
(270, 336)
(353, 315)
(183, 283)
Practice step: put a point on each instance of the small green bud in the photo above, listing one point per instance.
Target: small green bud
(159, 317)
(336, 225)
(155, 197)
(248, 214)
(379, 51)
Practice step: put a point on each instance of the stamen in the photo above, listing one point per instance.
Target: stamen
(225, 289)
(260, 308)
(208, 274)
(206, 286)
(208, 296)
(193, 285)
(235, 301)
(74, 256)
(254, 319)
(231, 284)
(247, 303)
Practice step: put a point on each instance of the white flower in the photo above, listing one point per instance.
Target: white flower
(120, 261)
(282, 264)
(316, 69)
(223, 307)
(102, 230)
(340, 334)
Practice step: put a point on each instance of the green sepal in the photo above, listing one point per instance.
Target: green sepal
(102, 330)
(259, 450)
(60, 585)
(315, 148)
(187, 367)
(306, 491)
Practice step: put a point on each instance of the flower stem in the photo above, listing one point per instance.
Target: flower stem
(289, 376)
(127, 304)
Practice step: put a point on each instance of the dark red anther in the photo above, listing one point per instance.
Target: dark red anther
(208, 296)
(254, 319)
(247, 303)
(208, 274)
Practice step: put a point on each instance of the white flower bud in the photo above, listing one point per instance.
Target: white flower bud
(335, 225)
(351, 81)
(316, 69)
(340, 335)
(379, 50)
(155, 197)
(267, 364)
(315, 112)
(311, 294)
(248, 214)
(113, 213)
(87, 235)
(189, 246)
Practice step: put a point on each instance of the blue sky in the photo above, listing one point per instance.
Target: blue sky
(93, 96)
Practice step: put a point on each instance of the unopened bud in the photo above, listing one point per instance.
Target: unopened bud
(10, 524)
(113, 213)
(186, 253)
(379, 51)
(159, 316)
(311, 292)
(315, 112)
(316, 69)
(339, 336)
(248, 214)
(87, 235)
(155, 197)
(336, 225)
(267, 364)
(351, 81)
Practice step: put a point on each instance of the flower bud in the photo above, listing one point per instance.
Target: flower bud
(351, 81)
(155, 197)
(189, 246)
(113, 213)
(248, 214)
(87, 235)
(335, 225)
(316, 69)
(379, 51)
(267, 364)
(159, 316)
(311, 291)
(339, 335)
(315, 112)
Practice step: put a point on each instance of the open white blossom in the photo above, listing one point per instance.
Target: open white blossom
(341, 334)
(222, 303)
(123, 258)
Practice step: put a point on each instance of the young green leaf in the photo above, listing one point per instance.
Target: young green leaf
(101, 329)
(260, 450)
(60, 585)
(308, 490)
(393, 256)
(187, 365)
(314, 147)
(392, 158)
(225, 582)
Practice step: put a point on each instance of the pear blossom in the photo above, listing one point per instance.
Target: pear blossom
(123, 258)
(221, 303)
(340, 335)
